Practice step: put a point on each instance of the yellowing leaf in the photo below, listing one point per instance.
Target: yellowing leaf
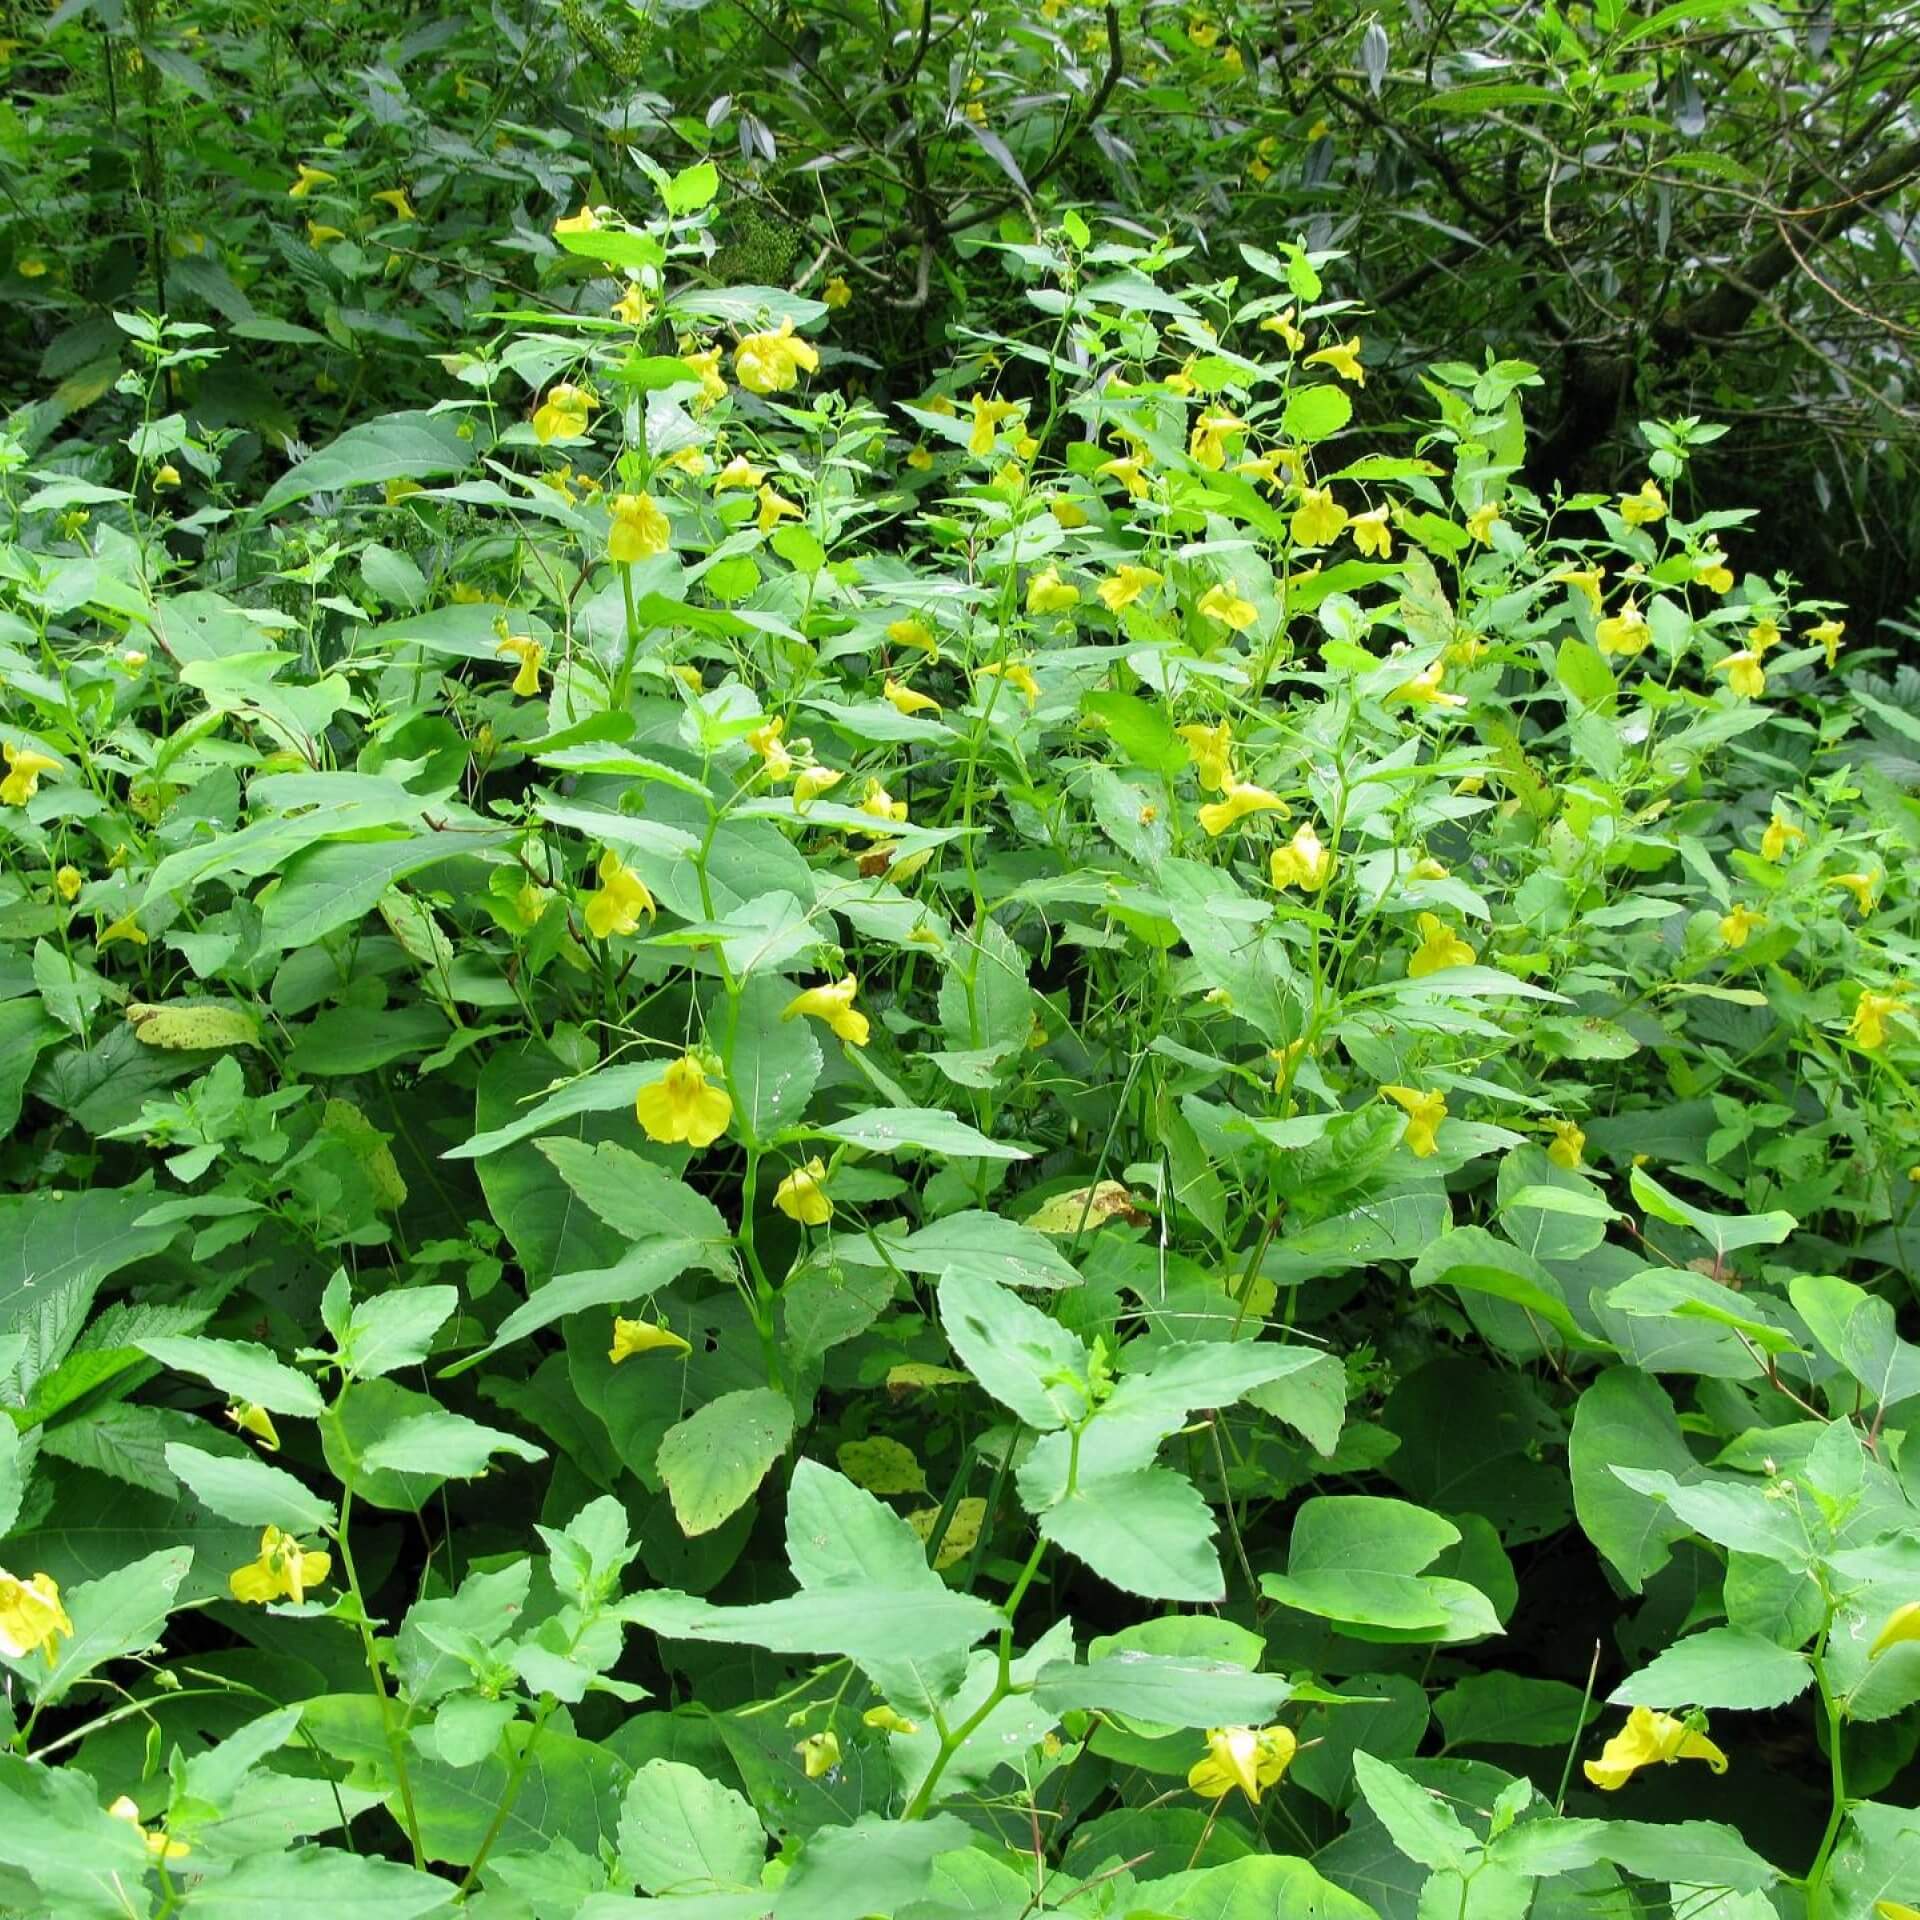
(881, 1465)
(918, 1374)
(188, 1025)
(963, 1530)
(1094, 1206)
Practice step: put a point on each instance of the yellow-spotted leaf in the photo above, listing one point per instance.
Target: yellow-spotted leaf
(193, 1025)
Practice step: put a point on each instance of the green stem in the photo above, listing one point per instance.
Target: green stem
(1837, 1813)
(952, 1740)
(396, 1742)
(510, 1794)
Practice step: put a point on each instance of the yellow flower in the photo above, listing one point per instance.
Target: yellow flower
(1014, 673)
(31, 1616)
(909, 632)
(987, 415)
(633, 306)
(1863, 887)
(1626, 632)
(1644, 508)
(284, 1569)
(1303, 862)
(1241, 798)
(1868, 1027)
(1569, 1144)
(1048, 593)
(319, 234)
(1650, 1739)
(1425, 1112)
(1762, 635)
(1282, 324)
(1319, 518)
(681, 1105)
(398, 488)
(1439, 947)
(639, 530)
(615, 906)
(1735, 927)
(918, 458)
(773, 362)
(802, 1195)
(836, 293)
(1903, 1623)
(1828, 633)
(706, 364)
(909, 700)
(1275, 466)
(396, 198)
(878, 804)
(1588, 580)
(766, 742)
(1482, 521)
(157, 1843)
(834, 1005)
(1423, 690)
(1231, 59)
(738, 472)
(25, 766)
(587, 220)
(775, 507)
(125, 928)
(885, 1720)
(1250, 1758)
(1343, 359)
(1208, 442)
(1125, 585)
(1745, 675)
(1780, 836)
(811, 783)
(690, 460)
(256, 1421)
(1427, 868)
(30, 266)
(643, 1336)
(1712, 572)
(1221, 603)
(1370, 534)
(166, 478)
(819, 1754)
(309, 178)
(529, 653)
(68, 882)
(1212, 754)
(1067, 511)
(1130, 470)
(1204, 34)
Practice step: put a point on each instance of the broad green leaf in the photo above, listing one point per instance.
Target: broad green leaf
(248, 1491)
(1725, 1233)
(1166, 1691)
(683, 1833)
(120, 1613)
(1721, 1667)
(1147, 1531)
(1026, 1360)
(240, 1370)
(1420, 1823)
(715, 1458)
(1511, 1710)
(320, 1881)
(445, 1445)
(394, 1330)
(919, 1130)
(1624, 1419)
(984, 1246)
(55, 1829)
(403, 446)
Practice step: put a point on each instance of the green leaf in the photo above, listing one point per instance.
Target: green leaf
(714, 1459)
(120, 1613)
(1026, 1360)
(1315, 413)
(55, 1829)
(396, 1329)
(403, 446)
(1856, 1328)
(447, 1446)
(887, 1861)
(1624, 1419)
(320, 1882)
(240, 1370)
(636, 1197)
(918, 1130)
(682, 1833)
(605, 1090)
(1147, 1531)
(1725, 1233)
(1511, 1710)
(1419, 1823)
(1166, 1691)
(242, 1489)
(776, 1062)
(983, 1246)
(1721, 1667)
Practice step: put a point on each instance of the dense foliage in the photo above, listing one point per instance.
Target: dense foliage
(885, 1036)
